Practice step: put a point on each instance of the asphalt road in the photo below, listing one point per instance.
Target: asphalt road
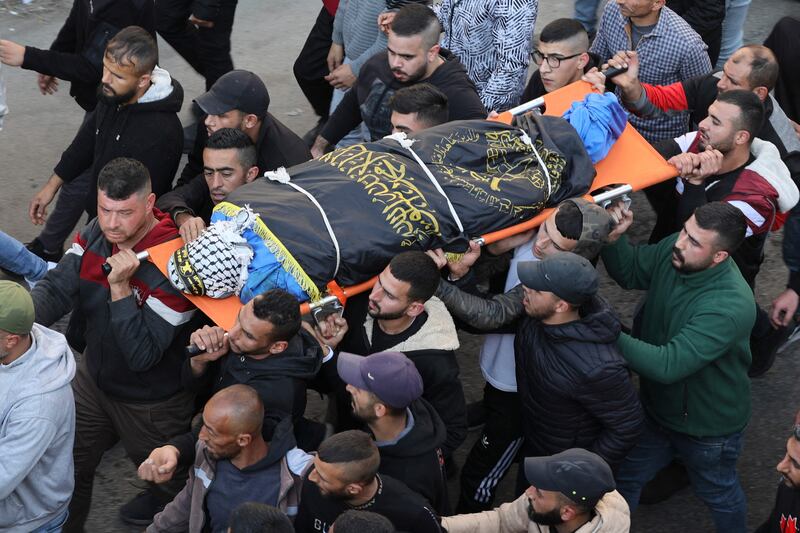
(266, 40)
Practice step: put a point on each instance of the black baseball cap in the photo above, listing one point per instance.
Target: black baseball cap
(391, 376)
(238, 89)
(567, 275)
(580, 475)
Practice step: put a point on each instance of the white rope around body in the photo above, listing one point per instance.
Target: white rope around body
(282, 176)
(406, 143)
(527, 140)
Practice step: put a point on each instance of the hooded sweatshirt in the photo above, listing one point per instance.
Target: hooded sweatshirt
(575, 388)
(148, 130)
(215, 488)
(279, 379)
(611, 516)
(369, 100)
(37, 428)
(415, 458)
(76, 55)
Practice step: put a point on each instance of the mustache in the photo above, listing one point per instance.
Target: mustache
(677, 253)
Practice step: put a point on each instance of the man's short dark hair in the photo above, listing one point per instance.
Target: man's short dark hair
(563, 29)
(419, 271)
(281, 309)
(231, 138)
(751, 109)
(354, 448)
(417, 19)
(428, 102)
(726, 221)
(134, 46)
(122, 177)
(252, 517)
(353, 521)
(763, 67)
(569, 220)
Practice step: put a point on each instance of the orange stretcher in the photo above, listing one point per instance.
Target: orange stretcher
(631, 165)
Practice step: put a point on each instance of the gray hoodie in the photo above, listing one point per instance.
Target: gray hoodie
(37, 430)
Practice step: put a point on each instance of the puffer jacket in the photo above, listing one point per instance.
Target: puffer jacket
(611, 516)
(575, 388)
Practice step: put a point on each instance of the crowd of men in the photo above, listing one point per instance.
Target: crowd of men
(596, 413)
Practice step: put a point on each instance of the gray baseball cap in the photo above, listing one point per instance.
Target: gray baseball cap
(238, 89)
(567, 275)
(580, 475)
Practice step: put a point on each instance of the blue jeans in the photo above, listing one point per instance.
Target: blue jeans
(732, 28)
(15, 258)
(586, 13)
(54, 525)
(710, 462)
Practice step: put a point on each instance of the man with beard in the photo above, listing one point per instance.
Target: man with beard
(401, 314)
(570, 492)
(386, 390)
(136, 116)
(229, 161)
(786, 511)
(345, 476)
(413, 55)
(691, 352)
(127, 386)
(233, 465)
(240, 100)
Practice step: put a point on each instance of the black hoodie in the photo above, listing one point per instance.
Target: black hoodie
(279, 379)
(76, 55)
(416, 458)
(575, 388)
(148, 131)
(369, 99)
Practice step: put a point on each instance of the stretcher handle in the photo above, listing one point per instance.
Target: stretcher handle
(141, 256)
(507, 116)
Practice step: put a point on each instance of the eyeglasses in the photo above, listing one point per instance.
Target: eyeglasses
(553, 61)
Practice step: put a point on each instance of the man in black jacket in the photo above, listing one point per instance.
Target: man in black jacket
(705, 17)
(413, 55)
(136, 116)
(386, 395)
(229, 161)
(240, 100)
(76, 54)
(400, 314)
(127, 387)
(574, 385)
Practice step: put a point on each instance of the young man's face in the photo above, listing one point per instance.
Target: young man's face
(224, 172)
(568, 70)
(549, 240)
(120, 82)
(250, 335)
(123, 220)
(329, 478)
(544, 507)
(695, 248)
(389, 297)
(789, 467)
(718, 129)
(540, 305)
(408, 57)
(230, 119)
(363, 404)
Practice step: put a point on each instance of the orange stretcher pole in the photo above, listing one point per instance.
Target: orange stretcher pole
(631, 165)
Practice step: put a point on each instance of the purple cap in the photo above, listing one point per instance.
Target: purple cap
(391, 376)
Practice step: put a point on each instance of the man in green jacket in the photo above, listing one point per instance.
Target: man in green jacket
(691, 353)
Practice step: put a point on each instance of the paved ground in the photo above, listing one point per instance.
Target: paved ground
(267, 38)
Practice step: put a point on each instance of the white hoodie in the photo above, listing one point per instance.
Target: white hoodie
(37, 430)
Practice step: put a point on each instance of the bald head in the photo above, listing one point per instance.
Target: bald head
(762, 62)
(238, 409)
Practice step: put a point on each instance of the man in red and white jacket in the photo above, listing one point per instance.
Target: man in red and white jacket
(127, 387)
(724, 161)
